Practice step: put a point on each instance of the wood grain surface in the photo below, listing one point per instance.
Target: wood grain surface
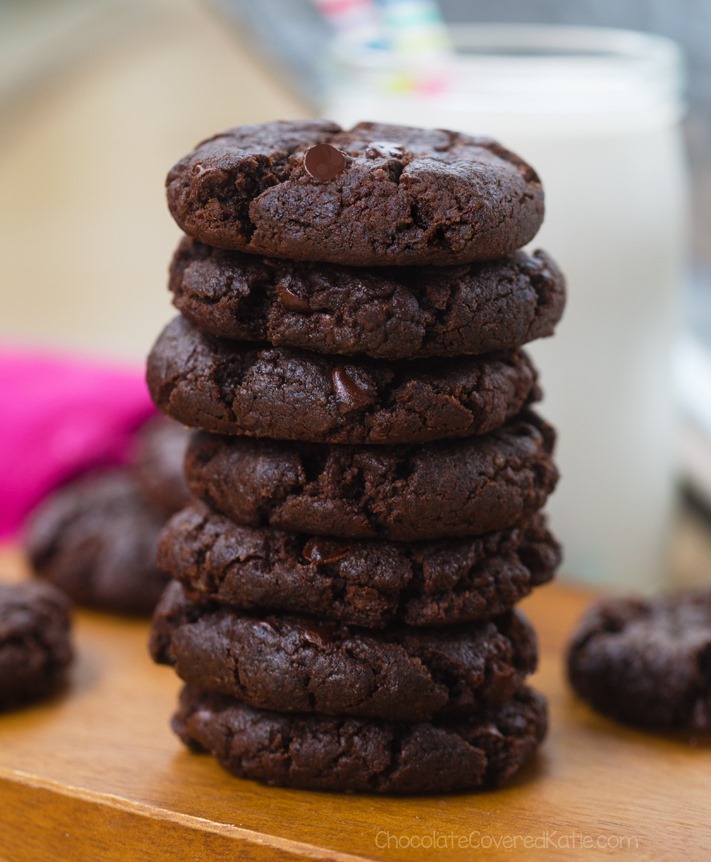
(97, 775)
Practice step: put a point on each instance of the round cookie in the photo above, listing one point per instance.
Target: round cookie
(355, 754)
(387, 313)
(404, 493)
(35, 642)
(403, 196)
(361, 582)
(158, 464)
(302, 664)
(285, 394)
(647, 662)
(96, 540)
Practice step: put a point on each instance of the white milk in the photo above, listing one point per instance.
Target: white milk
(596, 112)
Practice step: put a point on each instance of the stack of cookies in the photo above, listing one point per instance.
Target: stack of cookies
(368, 472)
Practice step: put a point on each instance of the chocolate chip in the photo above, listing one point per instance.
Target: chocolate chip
(324, 162)
(322, 553)
(320, 633)
(351, 394)
(291, 300)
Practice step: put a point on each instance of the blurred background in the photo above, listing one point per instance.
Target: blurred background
(98, 98)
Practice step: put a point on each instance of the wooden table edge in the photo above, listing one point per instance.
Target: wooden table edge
(45, 820)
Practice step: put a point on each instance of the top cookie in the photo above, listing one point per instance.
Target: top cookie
(375, 195)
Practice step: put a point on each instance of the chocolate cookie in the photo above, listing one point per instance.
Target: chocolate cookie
(405, 493)
(375, 195)
(302, 664)
(361, 582)
(387, 313)
(96, 540)
(35, 646)
(284, 394)
(647, 662)
(158, 464)
(328, 753)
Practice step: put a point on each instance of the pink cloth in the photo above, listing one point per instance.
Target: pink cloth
(60, 416)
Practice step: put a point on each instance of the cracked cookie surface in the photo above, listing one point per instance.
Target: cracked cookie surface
(405, 195)
(385, 313)
(406, 493)
(357, 754)
(356, 581)
(285, 394)
(35, 642)
(647, 662)
(303, 664)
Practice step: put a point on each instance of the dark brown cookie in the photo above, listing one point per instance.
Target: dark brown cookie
(355, 754)
(96, 540)
(403, 196)
(647, 662)
(303, 664)
(158, 464)
(404, 493)
(387, 313)
(35, 644)
(227, 387)
(361, 582)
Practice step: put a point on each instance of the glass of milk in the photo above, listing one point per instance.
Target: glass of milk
(597, 113)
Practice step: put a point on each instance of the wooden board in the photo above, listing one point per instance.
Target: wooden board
(97, 775)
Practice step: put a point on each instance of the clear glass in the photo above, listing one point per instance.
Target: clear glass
(597, 113)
